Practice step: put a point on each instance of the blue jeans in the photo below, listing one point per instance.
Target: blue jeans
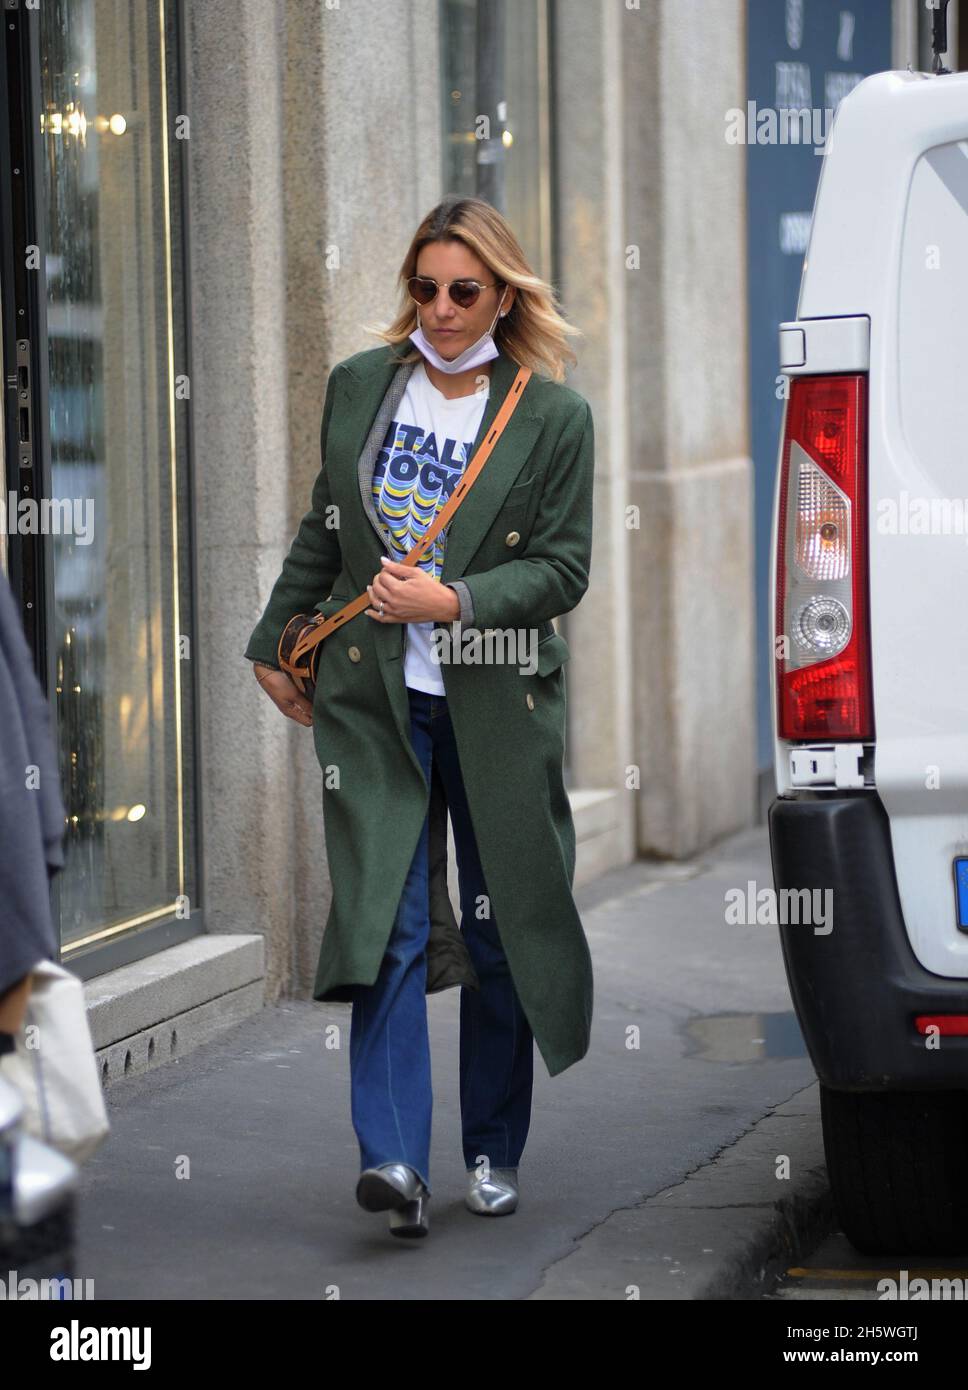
(389, 1044)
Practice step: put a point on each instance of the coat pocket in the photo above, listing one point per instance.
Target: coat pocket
(553, 652)
(518, 497)
(333, 603)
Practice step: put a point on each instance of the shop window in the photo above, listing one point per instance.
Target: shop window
(120, 639)
(495, 70)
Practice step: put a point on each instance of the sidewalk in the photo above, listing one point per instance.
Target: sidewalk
(726, 1232)
(231, 1174)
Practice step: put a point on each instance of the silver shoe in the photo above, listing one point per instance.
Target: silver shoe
(494, 1193)
(399, 1189)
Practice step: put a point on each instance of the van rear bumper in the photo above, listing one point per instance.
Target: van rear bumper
(858, 989)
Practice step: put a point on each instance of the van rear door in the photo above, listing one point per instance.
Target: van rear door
(889, 243)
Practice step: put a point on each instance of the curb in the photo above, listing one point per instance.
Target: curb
(727, 1231)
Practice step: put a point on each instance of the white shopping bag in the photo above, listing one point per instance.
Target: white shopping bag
(54, 1067)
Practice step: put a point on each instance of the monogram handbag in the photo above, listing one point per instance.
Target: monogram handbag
(301, 637)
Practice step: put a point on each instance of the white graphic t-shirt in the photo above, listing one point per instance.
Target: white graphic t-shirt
(423, 456)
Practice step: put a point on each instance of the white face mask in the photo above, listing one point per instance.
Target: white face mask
(484, 350)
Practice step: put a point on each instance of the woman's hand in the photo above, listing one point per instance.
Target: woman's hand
(284, 694)
(13, 1005)
(410, 595)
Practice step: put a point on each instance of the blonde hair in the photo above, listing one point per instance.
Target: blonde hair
(533, 332)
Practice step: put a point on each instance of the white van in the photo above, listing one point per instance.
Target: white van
(869, 594)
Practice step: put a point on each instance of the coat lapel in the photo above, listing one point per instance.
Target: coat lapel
(507, 461)
(367, 405)
(360, 421)
(373, 404)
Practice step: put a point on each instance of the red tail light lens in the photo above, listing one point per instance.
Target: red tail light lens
(948, 1025)
(822, 630)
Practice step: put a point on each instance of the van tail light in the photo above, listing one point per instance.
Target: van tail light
(823, 673)
(948, 1025)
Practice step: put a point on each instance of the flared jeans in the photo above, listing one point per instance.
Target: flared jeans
(391, 1095)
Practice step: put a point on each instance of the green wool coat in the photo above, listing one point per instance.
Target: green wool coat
(518, 552)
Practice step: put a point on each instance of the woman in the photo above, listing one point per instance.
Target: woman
(411, 719)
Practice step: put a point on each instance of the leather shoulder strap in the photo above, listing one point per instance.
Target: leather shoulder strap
(322, 627)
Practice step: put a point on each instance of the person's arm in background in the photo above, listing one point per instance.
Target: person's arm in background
(32, 821)
(13, 1007)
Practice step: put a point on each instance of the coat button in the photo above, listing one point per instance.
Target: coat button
(512, 538)
(530, 699)
(354, 653)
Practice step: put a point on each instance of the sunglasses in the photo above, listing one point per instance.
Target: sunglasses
(464, 293)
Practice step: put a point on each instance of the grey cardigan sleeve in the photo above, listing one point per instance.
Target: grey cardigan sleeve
(32, 816)
(466, 602)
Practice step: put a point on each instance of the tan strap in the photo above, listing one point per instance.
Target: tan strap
(322, 627)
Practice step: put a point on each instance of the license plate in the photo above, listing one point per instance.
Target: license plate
(961, 891)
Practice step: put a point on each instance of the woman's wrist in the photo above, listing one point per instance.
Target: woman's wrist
(262, 672)
(453, 604)
(13, 1004)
